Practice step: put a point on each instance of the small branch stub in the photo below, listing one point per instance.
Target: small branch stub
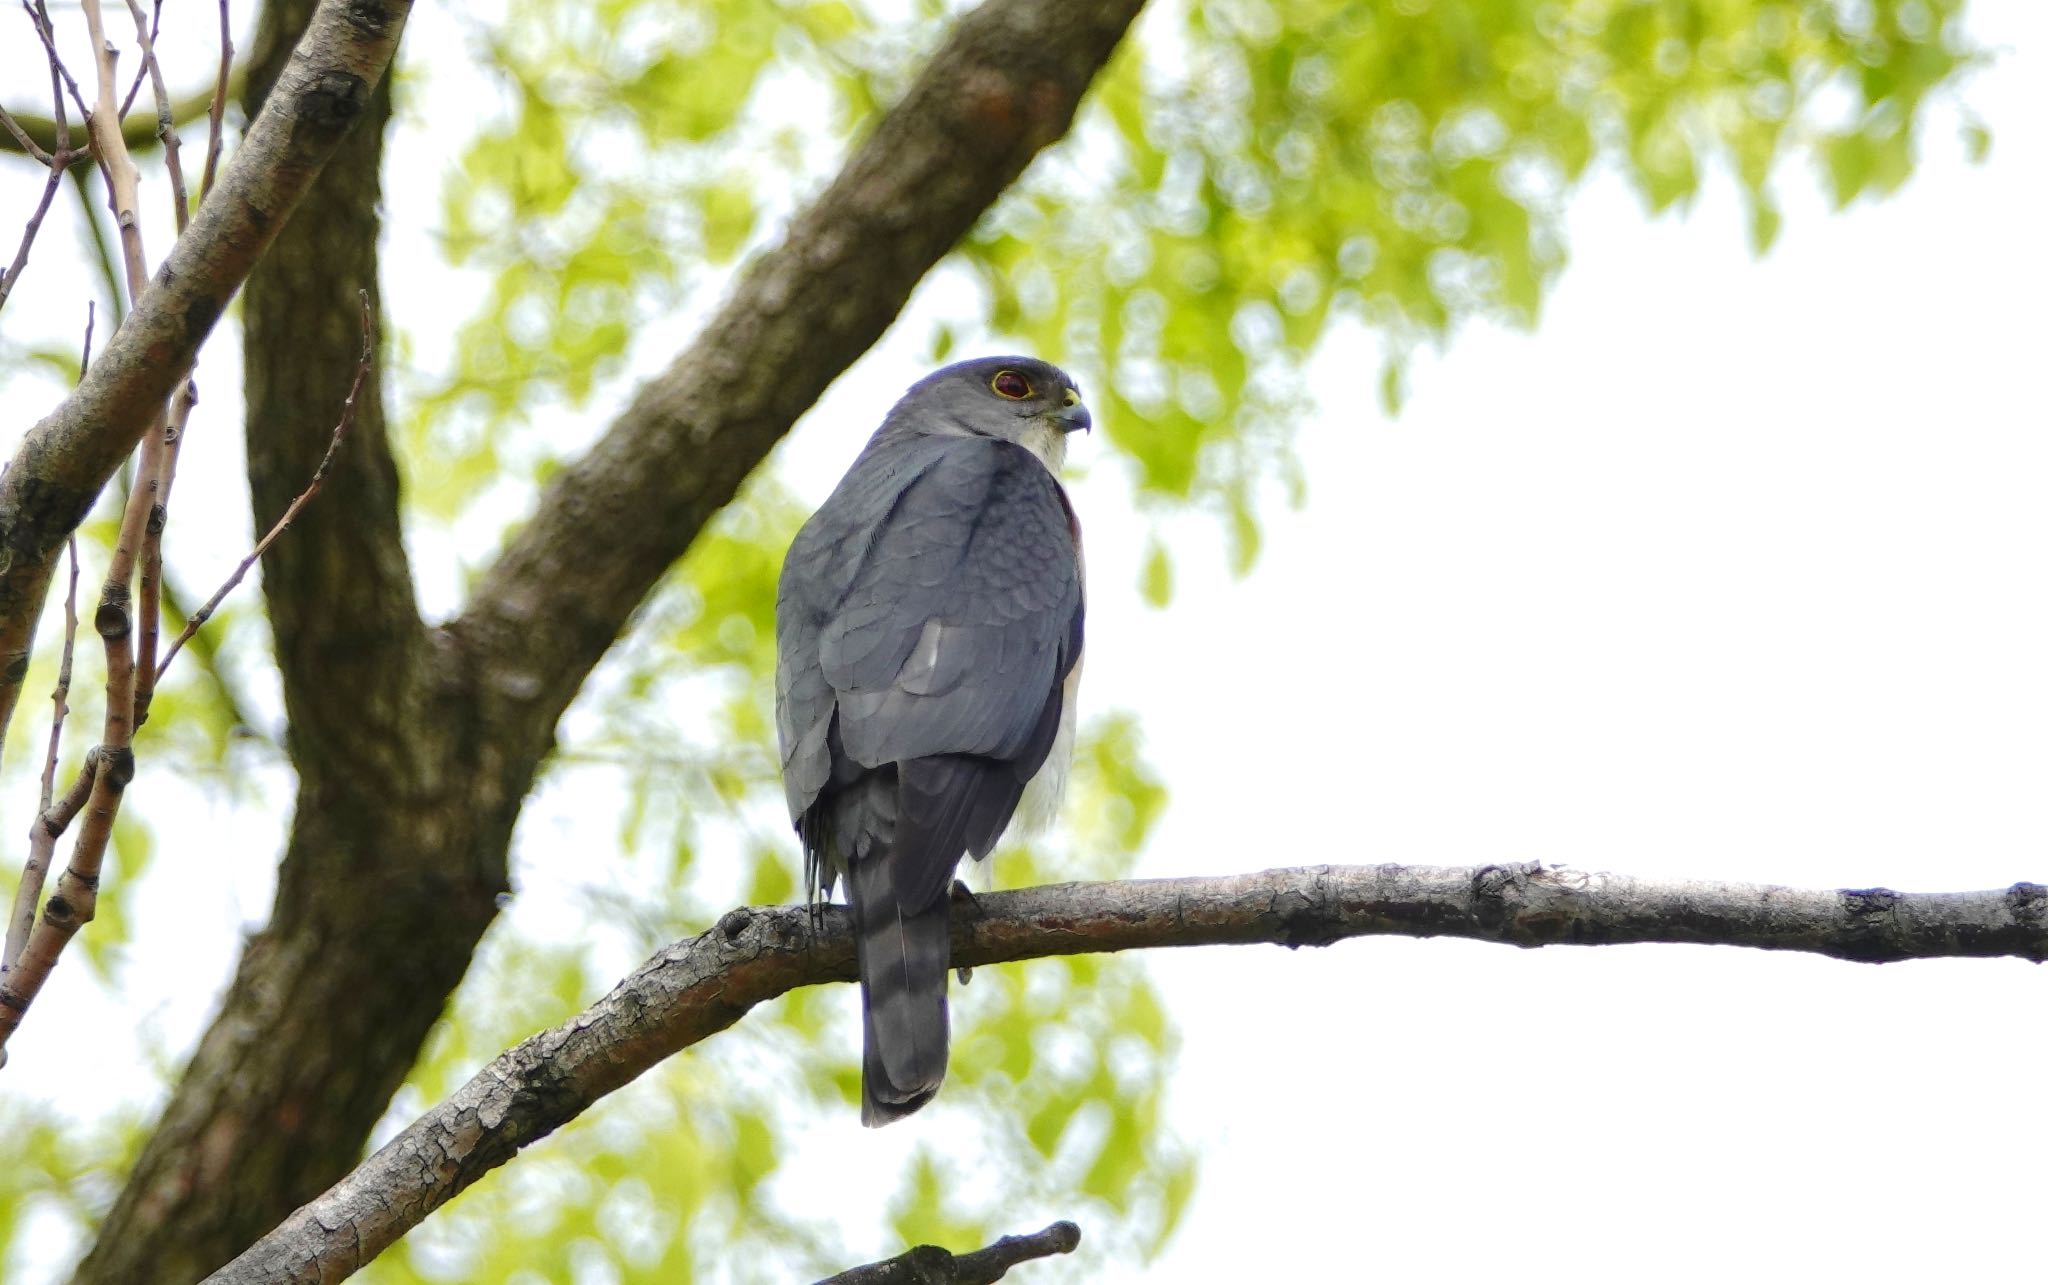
(931, 1265)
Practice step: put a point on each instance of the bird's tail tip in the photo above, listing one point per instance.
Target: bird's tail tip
(876, 1111)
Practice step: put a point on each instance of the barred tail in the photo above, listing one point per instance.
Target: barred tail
(904, 959)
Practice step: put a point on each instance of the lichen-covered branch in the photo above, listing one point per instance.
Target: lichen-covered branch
(932, 1265)
(696, 988)
(67, 458)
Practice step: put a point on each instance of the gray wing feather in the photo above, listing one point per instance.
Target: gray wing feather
(929, 606)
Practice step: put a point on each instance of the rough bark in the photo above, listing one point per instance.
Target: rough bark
(693, 989)
(65, 460)
(415, 746)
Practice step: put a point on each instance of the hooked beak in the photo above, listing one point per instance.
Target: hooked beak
(1074, 415)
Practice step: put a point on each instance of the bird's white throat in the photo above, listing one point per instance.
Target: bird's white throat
(1048, 443)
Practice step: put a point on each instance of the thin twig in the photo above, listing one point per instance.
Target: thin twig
(41, 841)
(166, 129)
(58, 74)
(148, 42)
(48, 826)
(58, 161)
(348, 418)
(39, 17)
(149, 590)
(28, 234)
(28, 144)
(931, 1265)
(217, 110)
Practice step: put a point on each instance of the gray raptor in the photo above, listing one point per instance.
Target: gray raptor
(928, 644)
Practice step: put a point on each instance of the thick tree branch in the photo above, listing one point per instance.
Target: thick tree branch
(696, 988)
(67, 458)
(931, 1265)
(1003, 86)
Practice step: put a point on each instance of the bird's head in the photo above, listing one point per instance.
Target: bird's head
(1014, 399)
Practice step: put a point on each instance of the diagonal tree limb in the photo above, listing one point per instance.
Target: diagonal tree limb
(1005, 83)
(931, 1265)
(693, 989)
(67, 458)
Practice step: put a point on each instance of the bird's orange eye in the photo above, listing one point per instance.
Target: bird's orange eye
(1010, 384)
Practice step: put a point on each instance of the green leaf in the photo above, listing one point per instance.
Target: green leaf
(1156, 583)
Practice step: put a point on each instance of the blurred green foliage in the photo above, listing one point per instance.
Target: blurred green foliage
(1247, 175)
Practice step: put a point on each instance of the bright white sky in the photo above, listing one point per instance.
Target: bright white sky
(1732, 570)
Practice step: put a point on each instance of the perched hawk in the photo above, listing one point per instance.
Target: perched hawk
(928, 644)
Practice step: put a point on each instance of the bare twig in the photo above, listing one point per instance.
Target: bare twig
(931, 1265)
(42, 841)
(148, 35)
(284, 521)
(44, 831)
(149, 589)
(217, 110)
(28, 144)
(39, 16)
(13, 273)
(57, 161)
(166, 129)
(693, 989)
